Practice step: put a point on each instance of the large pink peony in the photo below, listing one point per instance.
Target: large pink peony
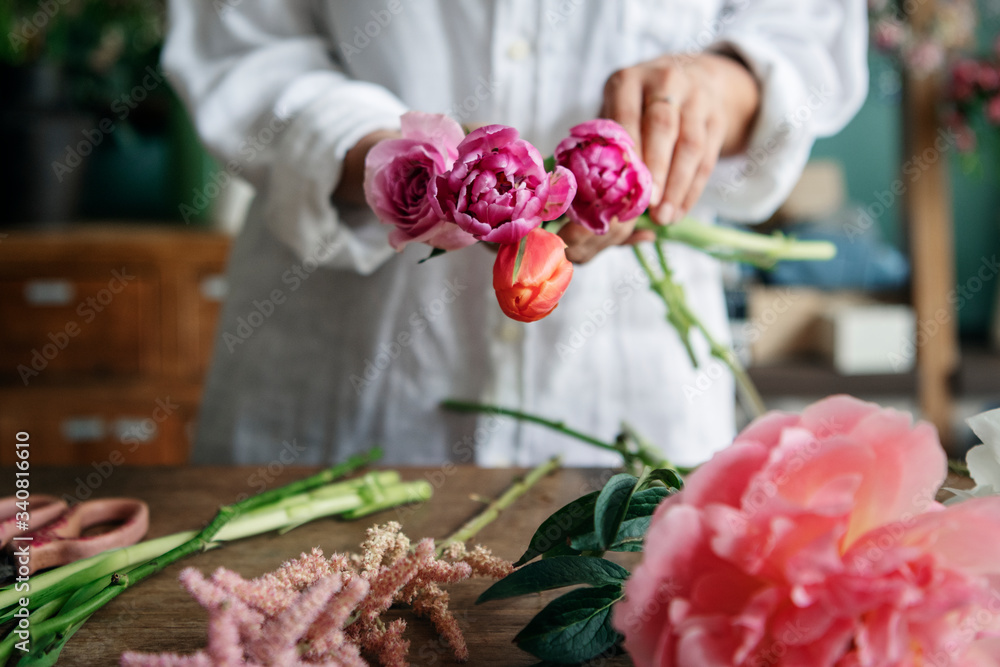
(814, 541)
(612, 182)
(498, 189)
(401, 181)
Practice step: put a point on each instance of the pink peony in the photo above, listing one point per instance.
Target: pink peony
(964, 76)
(993, 110)
(988, 78)
(612, 182)
(815, 540)
(401, 181)
(498, 190)
(889, 34)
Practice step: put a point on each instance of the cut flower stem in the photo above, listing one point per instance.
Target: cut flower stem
(63, 598)
(683, 319)
(490, 513)
(762, 250)
(644, 454)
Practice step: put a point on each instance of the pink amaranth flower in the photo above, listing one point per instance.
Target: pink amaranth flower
(297, 615)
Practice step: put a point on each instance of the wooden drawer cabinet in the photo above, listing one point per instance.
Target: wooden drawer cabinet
(120, 426)
(103, 331)
(85, 320)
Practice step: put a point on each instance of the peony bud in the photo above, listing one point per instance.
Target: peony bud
(613, 184)
(543, 276)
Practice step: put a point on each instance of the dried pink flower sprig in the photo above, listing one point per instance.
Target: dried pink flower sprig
(318, 611)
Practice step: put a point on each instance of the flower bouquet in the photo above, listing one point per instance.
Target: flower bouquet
(438, 186)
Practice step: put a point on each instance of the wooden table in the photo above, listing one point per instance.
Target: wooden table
(158, 615)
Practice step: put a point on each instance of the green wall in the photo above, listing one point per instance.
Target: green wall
(870, 148)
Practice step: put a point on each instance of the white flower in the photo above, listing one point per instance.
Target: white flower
(984, 459)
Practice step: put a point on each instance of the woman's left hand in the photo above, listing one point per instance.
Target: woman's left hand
(683, 112)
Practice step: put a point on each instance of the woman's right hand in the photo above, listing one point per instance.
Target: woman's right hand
(351, 189)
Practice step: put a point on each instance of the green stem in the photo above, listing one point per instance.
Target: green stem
(492, 511)
(42, 613)
(644, 456)
(466, 406)
(763, 250)
(680, 315)
(202, 541)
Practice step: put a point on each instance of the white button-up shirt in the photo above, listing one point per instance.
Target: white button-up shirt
(330, 342)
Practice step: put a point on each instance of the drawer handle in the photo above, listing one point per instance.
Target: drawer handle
(83, 429)
(131, 431)
(49, 292)
(214, 287)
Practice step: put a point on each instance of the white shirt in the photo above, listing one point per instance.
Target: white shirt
(360, 350)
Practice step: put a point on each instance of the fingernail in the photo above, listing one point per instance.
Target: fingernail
(666, 213)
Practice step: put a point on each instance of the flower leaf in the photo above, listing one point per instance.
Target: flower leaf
(645, 502)
(668, 476)
(436, 252)
(522, 246)
(568, 521)
(612, 504)
(629, 537)
(550, 573)
(574, 627)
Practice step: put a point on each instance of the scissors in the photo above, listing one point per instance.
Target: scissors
(56, 530)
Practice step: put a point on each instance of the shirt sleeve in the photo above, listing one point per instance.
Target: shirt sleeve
(810, 58)
(271, 104)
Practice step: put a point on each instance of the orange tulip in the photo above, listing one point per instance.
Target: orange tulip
(543, 276)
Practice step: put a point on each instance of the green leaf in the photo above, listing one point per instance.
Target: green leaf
(436, 252)
(668, 476)
(629, 537)
(550, 163)
(521, 247)
(568, 521)
(562, 549)
(544, 575)
(45, 650)
(574, 627)
(645, 502)
(612, 504)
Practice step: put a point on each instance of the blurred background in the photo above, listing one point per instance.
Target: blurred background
(117, 224)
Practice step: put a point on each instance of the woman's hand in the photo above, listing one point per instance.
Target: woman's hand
(351, 188)
(683, 112)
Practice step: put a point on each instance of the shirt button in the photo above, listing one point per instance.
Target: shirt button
(510, 332)
(519, 49)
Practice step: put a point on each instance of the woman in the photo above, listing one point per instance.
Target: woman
(330, 342)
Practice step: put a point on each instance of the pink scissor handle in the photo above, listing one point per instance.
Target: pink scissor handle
(41, 510)
(59, 542)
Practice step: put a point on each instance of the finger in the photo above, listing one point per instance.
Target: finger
(623, 100)
(581, 243)
(663, 98)
(716, 137)
(689, 152)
